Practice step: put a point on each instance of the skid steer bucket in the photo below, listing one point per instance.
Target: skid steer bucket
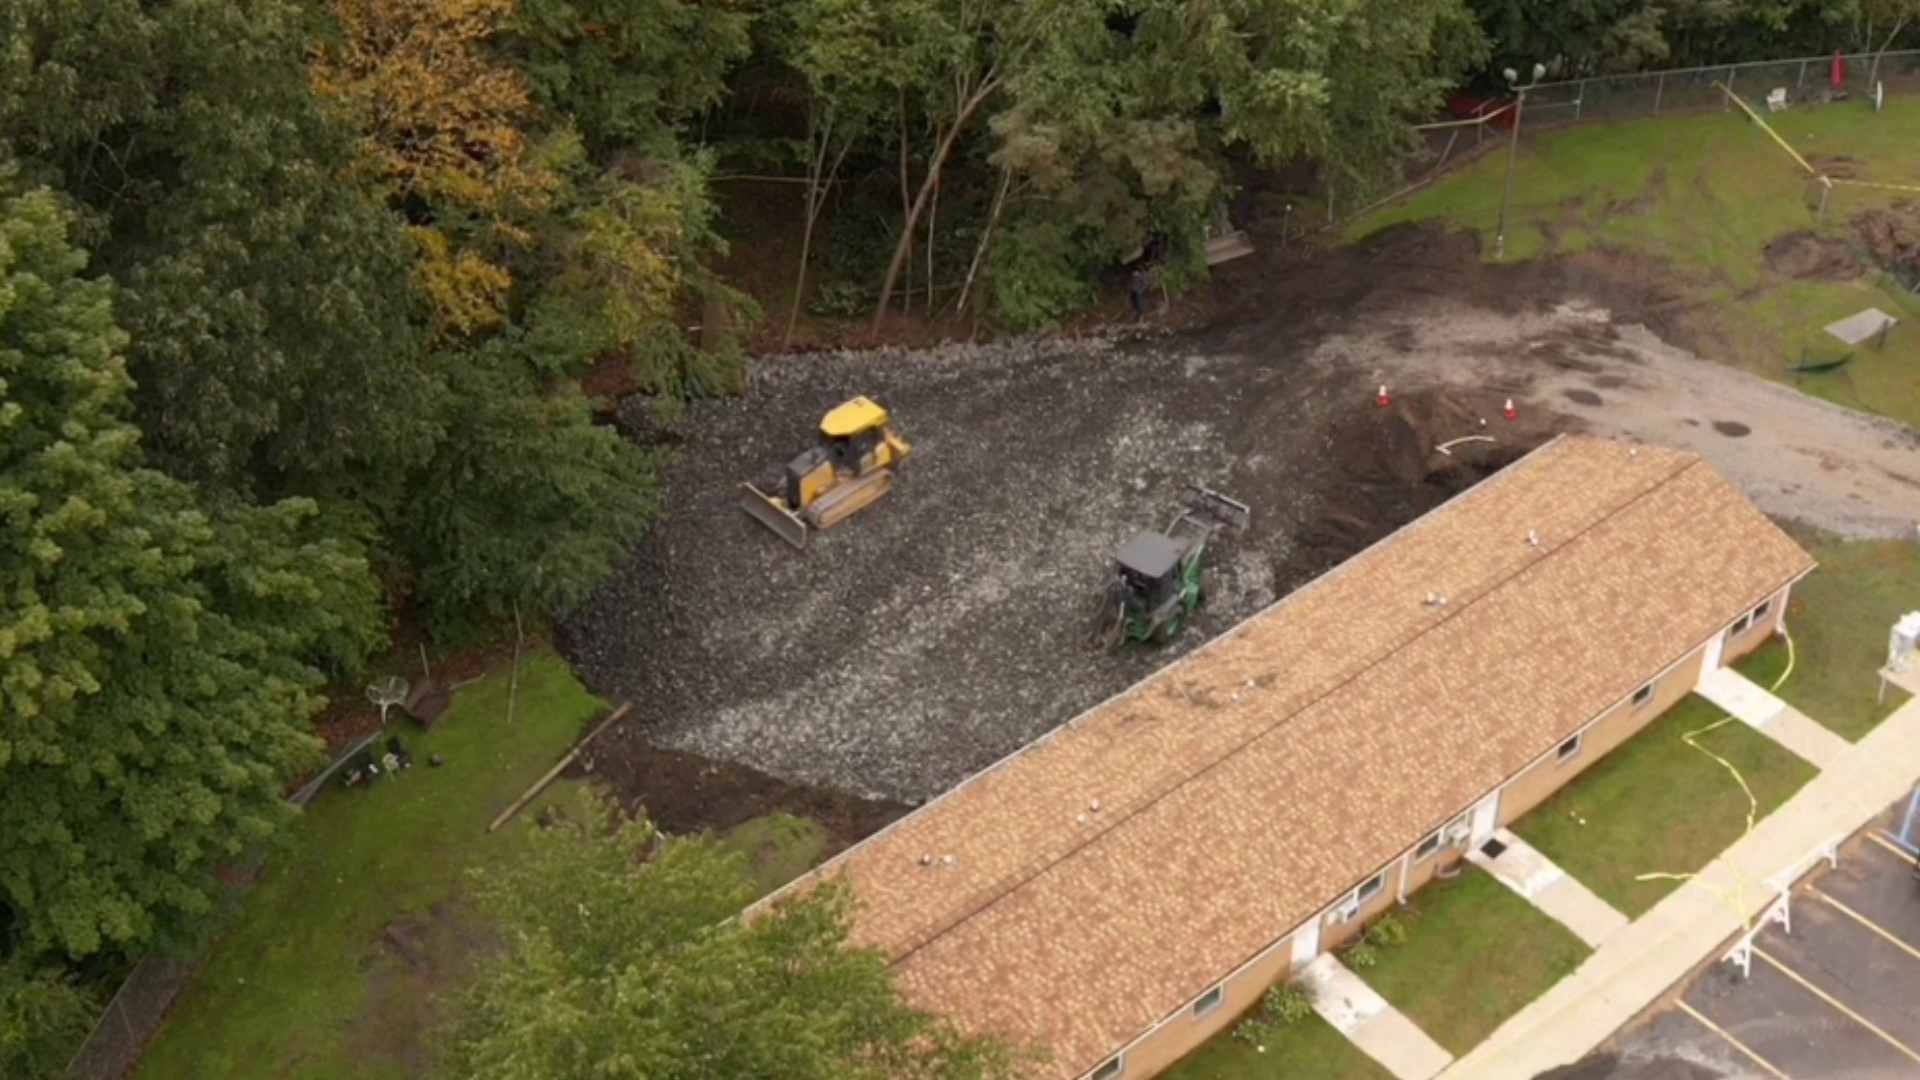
(772, 513)
(1232, 515)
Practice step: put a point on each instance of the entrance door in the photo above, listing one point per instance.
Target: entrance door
(1306, 944)
(1711, 660)
(1486, 818)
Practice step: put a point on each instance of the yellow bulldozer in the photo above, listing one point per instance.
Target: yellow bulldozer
(825, 484)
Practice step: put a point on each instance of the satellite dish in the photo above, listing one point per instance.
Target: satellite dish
(386, 693)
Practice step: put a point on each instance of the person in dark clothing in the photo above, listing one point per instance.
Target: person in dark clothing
(1139, 283)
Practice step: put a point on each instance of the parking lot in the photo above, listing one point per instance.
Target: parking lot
(1837, 998)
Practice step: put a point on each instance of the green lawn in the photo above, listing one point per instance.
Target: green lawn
(1477, 954)
(330, 967)
(1702, 195)
(1656, 804)
(1839, 618)
(1307, 1049)
(340, 960)
(778, 848)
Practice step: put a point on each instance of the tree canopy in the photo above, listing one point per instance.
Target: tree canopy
(624, 959)
(158, 660)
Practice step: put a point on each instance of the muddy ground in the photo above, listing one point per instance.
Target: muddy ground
(943, 628)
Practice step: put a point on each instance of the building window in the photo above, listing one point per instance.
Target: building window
(1740, 624)
(1427, 847)
(1571, 747)
(1209, 1001)
(1111, 1068)
(1760, 612)
(1371, 887)
(1643, 696)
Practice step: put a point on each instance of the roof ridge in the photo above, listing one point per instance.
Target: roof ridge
(1012, 885)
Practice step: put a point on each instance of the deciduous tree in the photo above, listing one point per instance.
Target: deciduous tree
(446, 124)
(158, 663)
(619, 967)
(527, 501)
(629, 72)
(265, 293)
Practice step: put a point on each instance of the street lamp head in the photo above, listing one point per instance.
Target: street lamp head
(1512, 76)
(1539, 72)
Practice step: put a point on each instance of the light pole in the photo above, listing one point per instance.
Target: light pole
(1513, 149)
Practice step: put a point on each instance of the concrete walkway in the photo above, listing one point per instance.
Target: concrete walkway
(1756, 707)
(1365, 1018)
(1540, 882)
(1693, 924)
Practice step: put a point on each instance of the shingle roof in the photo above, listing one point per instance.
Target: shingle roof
(1244, 788)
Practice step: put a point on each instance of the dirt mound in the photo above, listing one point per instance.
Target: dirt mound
(1893, 236)
(1808, 256)
(1837, 166)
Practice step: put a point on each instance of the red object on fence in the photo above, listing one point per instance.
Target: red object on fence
(1839, 76)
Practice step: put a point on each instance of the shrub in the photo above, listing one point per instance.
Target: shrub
(1037, 275)
(1387, 931)
(1362, 954)
(1287, 1004)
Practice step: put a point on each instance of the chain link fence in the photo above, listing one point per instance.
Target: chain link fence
(133, 1017)
(1804, 81)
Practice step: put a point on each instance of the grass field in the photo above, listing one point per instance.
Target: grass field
(1839, 618)
(1656, 804)
(1702, 195)
(1307, 1049)
(302, 984)
(1478, 954)
(340, 959)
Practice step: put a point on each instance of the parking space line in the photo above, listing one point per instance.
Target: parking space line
(1891, 846)
(1866, 922)
(1838, 1005)
(1730, 1040)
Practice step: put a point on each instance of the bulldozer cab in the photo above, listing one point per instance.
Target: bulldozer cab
(859, 416)
(1150, 565)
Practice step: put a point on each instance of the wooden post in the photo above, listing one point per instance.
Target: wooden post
(540, 785)
(513, 684)
(1659, 91)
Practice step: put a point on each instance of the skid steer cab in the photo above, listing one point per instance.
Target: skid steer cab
(825, 484)
(1159, 577)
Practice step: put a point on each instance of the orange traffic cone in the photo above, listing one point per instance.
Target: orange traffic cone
(1383, 400)
(1508, 410)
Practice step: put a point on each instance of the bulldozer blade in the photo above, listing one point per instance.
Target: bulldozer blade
(768, 511)
(1214, 508)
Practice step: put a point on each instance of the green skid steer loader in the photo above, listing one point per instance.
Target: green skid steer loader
(1158, 577)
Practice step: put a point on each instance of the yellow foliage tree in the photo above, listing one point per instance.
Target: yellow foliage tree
(445, 125)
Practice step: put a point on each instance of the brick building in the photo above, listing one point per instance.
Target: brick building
(1118, 891)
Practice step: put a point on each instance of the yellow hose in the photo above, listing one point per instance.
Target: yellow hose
(1755, 117)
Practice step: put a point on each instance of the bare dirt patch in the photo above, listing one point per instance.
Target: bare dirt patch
(683, 793)
(1837, 166)
(1893, 236)
(418, 962)
(1809, 256)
